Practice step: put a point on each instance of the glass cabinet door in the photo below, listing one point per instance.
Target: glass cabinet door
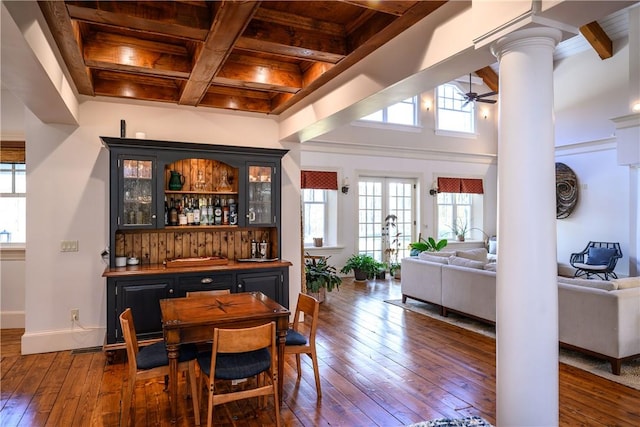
(260, 205)
(137, 193)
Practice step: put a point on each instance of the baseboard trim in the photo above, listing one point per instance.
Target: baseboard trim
(12, 319)
(48, 341)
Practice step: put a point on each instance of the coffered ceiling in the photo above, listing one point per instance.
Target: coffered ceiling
(242, 55)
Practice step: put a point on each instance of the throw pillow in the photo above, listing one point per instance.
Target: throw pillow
(600, 256)
(493, 246)
(492, 266)
(426, 256)
(446, 254)
(465, 262)
(627, 282)
(589, 283)
(479, 254)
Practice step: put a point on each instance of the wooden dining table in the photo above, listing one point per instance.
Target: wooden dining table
(192, 320)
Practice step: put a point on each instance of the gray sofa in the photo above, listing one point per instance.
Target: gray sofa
(596, 317)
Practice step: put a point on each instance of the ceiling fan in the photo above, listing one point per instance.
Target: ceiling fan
(474, 97)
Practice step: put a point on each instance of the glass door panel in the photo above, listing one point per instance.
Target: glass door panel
(138, 193)
(260, 206)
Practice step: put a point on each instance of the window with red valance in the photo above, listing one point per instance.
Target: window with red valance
(319, 180)
(460, 185)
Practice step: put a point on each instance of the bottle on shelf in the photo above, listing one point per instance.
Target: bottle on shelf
(233, 212)
(182, 214)
(204, 219)
(173, 214)
(210, 212)
(196, 212)
(225, 212)
(189, 212)
(217, 213)
(166, 211)
(254, 249)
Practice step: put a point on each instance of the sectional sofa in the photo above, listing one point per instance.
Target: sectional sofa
(600, 318)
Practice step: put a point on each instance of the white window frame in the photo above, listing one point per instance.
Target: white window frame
(452, 100)
(475, 221)
(14, 194)
(330, 223)
(385, 113)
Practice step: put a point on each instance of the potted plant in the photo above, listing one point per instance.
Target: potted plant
(392, 243)
(320, 277)
(459, 229)
(429, 245)
(364, 266)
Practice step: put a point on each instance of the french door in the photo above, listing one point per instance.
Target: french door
(379, 197)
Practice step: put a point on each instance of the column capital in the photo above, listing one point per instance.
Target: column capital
(536, 36)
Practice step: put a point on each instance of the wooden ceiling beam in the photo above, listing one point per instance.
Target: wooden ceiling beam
(396, 8)
(67, 37)
(132, 90)
(598, 39)
(176, 19)
(489, 77)
(241, 103)
(228, 24)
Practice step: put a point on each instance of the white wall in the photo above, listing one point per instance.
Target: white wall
(67, 178)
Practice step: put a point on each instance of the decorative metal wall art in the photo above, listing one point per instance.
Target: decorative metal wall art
(566, 190)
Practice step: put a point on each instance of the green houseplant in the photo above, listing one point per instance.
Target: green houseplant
(320, 275)
(364, 266)
(429, 245)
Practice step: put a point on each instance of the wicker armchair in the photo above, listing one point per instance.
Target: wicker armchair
(597, 259)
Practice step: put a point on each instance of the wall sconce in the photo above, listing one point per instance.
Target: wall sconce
(345, 185)
(636, 107)
(427, 104)
(485, 113)
(434, 191)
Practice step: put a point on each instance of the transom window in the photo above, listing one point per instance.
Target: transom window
(453, 113)
(403, 113)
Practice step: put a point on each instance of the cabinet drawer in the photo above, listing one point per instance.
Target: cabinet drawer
(204, 282)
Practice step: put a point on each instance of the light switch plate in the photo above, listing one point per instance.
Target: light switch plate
(69, 246)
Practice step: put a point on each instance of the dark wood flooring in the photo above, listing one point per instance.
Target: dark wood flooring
(380, 366)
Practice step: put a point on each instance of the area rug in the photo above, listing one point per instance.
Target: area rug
(630, 373)
(458, 422)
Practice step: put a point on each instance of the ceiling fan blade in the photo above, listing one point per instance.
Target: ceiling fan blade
(488, 101)
(465, 103)
(487, 94)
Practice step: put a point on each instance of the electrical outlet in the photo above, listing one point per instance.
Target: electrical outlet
(75, 315)
(69, 246)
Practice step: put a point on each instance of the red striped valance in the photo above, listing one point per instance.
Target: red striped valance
(460, 185)
(319, 180)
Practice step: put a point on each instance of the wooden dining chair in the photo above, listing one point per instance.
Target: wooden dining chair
(208, 293)
(151, 362)
(238, 354)
(302, 340)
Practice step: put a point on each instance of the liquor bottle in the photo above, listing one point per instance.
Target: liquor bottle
(189, 212)
(254, 249)
(173, 214)
(233, 212)
(166, 211)
(204, 219)
(196, 212)
(225, 212)
(210, 211)
(217, 213)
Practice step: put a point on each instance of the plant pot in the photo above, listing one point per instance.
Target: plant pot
(461, 237)
(320, 295)
(396, 274)
(360, 275)
(381, 275)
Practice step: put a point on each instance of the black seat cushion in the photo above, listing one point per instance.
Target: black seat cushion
(235, 366)
(295, 338)
(155, 355)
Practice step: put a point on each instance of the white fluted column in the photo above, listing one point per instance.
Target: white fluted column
(527, 291)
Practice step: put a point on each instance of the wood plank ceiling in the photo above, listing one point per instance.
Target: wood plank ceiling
(250, 56)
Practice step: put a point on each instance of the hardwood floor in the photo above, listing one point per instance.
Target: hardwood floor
(380, 366)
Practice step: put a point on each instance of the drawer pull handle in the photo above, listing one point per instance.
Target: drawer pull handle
(206, 280)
